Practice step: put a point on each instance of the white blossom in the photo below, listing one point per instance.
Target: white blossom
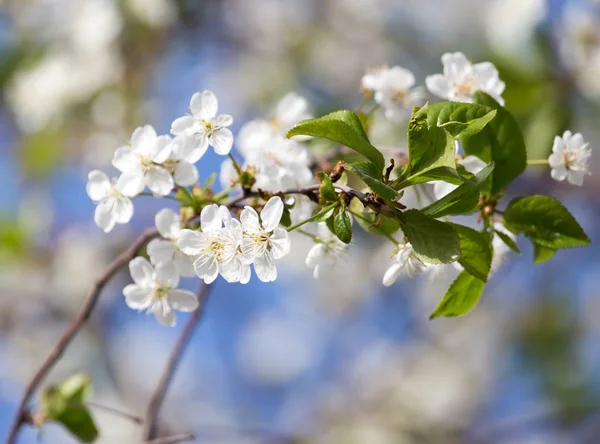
(215, 249)
(113, 206)
(164, 251)
(185, 152)
(155, 290)
(262, 240)
(141, 162)
(406, 262)
(569, 158)
(326, 251)
(204, 122)
(461, 79)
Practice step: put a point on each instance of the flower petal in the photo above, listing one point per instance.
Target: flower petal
(222, 141)
(122, 209)
(182, 125)
(160, 251)
(166, 275)
(183, 300)
(271, 213)
(143, 140)
(249, 219)
(159, 180)
(191, 242)
(126, 161)
(280, 243)
(186, 174)
(224, 120)
(141, 272)
(131, 184)
(162, 149)
(164, 314)
(210, 218)
(98, 185)
(392, 274)
(265, 269)
(184, 264)
(136, 297)
(204, 105)
(438, 85)
(168, 224)
(191, 148)
(315, 255)
(104, 217)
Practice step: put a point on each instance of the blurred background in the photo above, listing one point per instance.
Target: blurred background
(339, 360)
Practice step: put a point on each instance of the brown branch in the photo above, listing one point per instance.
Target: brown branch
(113, 411)
(72, 330)
(171, 439)
(174, 358)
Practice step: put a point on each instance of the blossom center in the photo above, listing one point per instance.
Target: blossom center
(465, 87)
(160, 293)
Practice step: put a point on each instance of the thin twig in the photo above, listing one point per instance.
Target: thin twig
(172, 439)
(174, 358)
(116, 412)
(76, 325)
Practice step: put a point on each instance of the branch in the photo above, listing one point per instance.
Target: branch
(159, 393)
(172, 439)
(72, 330)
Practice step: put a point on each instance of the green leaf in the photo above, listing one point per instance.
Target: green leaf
(372, 177)
(447, 174)
(508, 241)
(343, 127)
(342, 225)
(80, 423)
(461, 297)
(434, 241)
(372, 223)
(326, 189)
(501, 141)
(76, 388)
(183, 196)
(545, 221)
(210, 180)
(461, 120)
(542, 254)
(286, 218)
(475, 252)
(463, 199)
(325, 213)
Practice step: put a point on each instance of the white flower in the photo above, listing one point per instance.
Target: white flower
(262, 241)
(291, 109)
(154, 290)
(211, 129)
(185, 152)
(461, 79)
(569, 158)
(326, 251)
(393, 90)
(405, 262)
(472, 164)
(162, 251)
(114, 207)
(215, 248)
(141, 162)
(372, 79)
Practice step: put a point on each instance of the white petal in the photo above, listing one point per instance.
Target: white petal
(126, 161)
(141, 272)
(98, 185)
(168, 223)
(122, 210)
(265, 269)
(224, 120)
(184, 264)
(222, 141)
(291, 109)
(280, 243)
(164, 314)
(271, 213)
(143, 140)
(559, 173)
(183, 300)
(204, 105)
(159, 180)
(576, 178)
(249, 218)
(244, 273)
(191, 242)
(186, 174)
(182, 125)
(166, 275)
(210, 218)
(207, 269)
(315, 255)
(160, 251)
(392, 274)
(192, 148)
(104, 217)
(136, 297)
(162, 149)
(130, 184)
(456, 65)
(438, 85)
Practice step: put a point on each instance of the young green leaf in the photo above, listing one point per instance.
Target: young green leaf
(342, 225)
(326, 189)
(500, 141)
(343, 127)
(461, 120)
(447, 174)
(475, 252)
(542, 254)
(463, 199)
(461, 297)
(508, 241)
(435, 242)
(209, 180)
(76, 388)
(372, 177)
(545, 221)
(79, 422)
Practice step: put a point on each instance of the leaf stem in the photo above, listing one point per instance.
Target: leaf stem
(236, 165)
(389, 236)
(537, 162)
(313, 217)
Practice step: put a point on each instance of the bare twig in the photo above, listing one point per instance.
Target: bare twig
(82, 316)
(161, 389)
(129, 416)
(171, 439)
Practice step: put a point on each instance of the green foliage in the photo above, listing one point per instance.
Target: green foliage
(461, 297)
(41, 153)
(542, 254)
(373, 178)
(342, 225)
(343, 127)
(461, 120)
(65, 404)
(545, 221)
(508, 241)
(463, 199)
(475, 252)
(326, 190)
(434, 241)
(501, 141)
(371, 222)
